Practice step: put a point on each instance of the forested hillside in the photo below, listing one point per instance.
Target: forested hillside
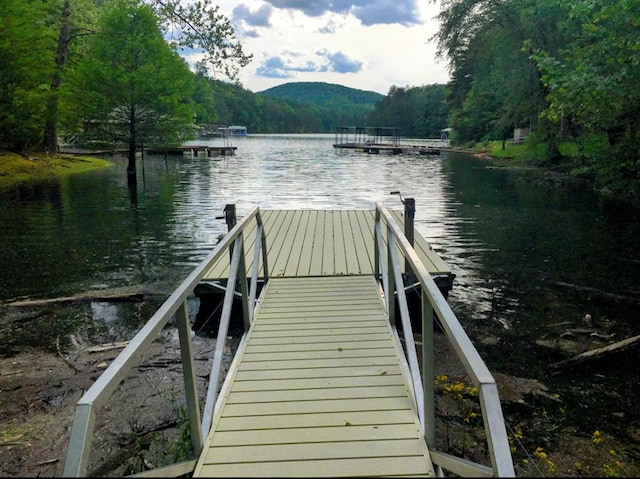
(320, 112)
(338, 105)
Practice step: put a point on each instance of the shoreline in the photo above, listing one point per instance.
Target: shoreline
(17, 168)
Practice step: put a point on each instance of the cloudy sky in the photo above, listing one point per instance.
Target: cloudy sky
(364, 44)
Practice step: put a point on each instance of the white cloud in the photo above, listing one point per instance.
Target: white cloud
(364, 44)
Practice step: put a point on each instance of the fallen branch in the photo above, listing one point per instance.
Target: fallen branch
(588, 289)
(66, 361)
(620, 346)
(81, 298)
(106, 347)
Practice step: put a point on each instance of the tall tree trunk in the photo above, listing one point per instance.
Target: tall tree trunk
(131, 167)
(51, 126)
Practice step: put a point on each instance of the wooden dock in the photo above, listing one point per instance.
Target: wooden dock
(321, 384)
(195, 150)
(325, 243)
(378, 140)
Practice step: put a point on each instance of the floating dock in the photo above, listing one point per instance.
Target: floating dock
(195, 150)
(324, 382)
(378, 140)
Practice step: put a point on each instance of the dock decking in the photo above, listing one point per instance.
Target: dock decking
(324, 243)
(318, 390)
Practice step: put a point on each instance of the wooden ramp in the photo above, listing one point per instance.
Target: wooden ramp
(320, 389)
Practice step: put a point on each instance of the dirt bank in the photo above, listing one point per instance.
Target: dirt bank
(142, 425)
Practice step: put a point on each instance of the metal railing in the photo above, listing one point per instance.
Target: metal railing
(387, 269)
(93, 400)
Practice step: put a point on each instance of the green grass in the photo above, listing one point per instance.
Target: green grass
(16, 168)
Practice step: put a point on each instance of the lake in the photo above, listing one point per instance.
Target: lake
(530, 250)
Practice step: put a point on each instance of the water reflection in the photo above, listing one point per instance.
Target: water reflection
(504, 233)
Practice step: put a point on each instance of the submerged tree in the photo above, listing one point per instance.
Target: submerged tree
(133, 84)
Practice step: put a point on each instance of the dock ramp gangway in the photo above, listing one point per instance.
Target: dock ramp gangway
(322, 384)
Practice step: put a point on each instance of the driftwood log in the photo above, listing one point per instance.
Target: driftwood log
(597, 353)
(82, 298)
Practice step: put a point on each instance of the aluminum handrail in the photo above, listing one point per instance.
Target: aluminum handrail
(433, 300)
(96, 396)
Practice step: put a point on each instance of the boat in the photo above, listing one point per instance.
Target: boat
(233, 130)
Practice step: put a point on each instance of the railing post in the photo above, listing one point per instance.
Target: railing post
(376, 249)
(428, 370)
(230, 215)
(391, 296)
(189, 375)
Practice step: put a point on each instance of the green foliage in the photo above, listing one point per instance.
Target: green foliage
(419, 112)
(27, 46)
(200, 25)
(567, 70)
(331, 105)
(134, 85)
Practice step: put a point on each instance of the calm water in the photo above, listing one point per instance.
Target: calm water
(514, 238)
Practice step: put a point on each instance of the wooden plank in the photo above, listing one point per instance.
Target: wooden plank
(326, 394)
(335, 372)
(295, 251)
(340, 253)
(319, 390)
(324, 450)
(356, 418)
(289, 233)
(336, 434)
(336, 353)
(334, 338)
(316, 383)
(306, 252)
(307, 407)
(349, 343)
(360, 467)
(276, 333)
(318, 363)
(315, 264)
(328, 246)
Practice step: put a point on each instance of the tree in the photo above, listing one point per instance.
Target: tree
(74, 19)
(133, 83)
(26, 61)
(496, 85)
(200, 25)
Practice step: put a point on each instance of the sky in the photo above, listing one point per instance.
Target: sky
(364, 44)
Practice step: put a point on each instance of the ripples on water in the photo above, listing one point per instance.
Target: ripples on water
(495, 229)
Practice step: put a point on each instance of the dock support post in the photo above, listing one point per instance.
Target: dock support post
(230, 215)
(409, 215)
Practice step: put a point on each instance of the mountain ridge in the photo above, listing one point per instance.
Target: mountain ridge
(323, 94)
